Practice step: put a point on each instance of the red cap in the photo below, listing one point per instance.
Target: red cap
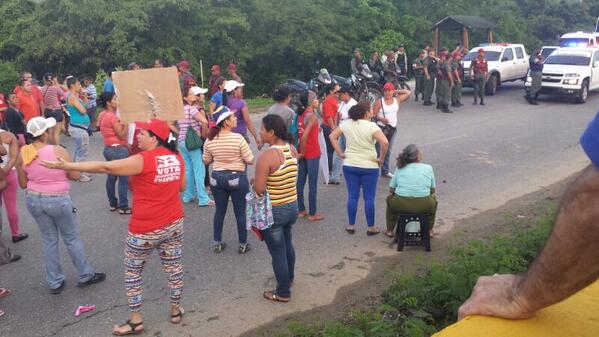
(232, 66)
(480, 50)
(157, 126)
(215, 67)
(389, 86)
(183, 65)
(456, 54)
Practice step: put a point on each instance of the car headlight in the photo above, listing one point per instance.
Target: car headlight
(572, 75)
(573, 81)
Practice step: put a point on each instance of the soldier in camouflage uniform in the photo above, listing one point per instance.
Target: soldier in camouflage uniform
(456, 73)
(418, 67)
(430, 75)
(444, 81)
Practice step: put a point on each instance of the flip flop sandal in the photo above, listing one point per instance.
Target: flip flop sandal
(371, 233)
(178, 315)
(390, 234)
(124, 211)
(302, 214)
(114, 209)
(4, 292)
(350, 230)
(271, 296)
(132, 326)
(315, 217)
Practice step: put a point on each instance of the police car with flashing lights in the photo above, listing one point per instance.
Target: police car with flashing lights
(506, 62)
(579, 39)
(570, 71)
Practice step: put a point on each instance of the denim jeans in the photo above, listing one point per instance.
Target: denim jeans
(385, 168)
(195, 171)
(338, 162)
(81, 143)
(326, 131)
(234, 184)
(278, 239)
(115, 153)
(358, 178)
(54, 217)
(308, 168)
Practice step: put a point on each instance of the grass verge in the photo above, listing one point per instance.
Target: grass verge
(418, 305)
(258, 104)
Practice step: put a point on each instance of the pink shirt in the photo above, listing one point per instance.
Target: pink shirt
(106, 123)
(45, 180)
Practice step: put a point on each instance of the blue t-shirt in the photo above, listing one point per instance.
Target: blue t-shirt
(217, 99)
(414, 180)
(590, 141)
(108, 86)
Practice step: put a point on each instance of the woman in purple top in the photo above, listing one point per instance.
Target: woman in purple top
(236, 103)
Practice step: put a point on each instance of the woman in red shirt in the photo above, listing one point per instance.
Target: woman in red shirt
(330, 109)
(309, 155)
(157, 220)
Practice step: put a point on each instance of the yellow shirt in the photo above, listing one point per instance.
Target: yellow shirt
(359, 143)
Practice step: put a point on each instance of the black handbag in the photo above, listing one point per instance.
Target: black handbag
(387, 129)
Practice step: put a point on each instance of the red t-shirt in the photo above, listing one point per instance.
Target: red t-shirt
(156, 202)
(28, 104)
(106, 121)
(312, 145)
(330, 106)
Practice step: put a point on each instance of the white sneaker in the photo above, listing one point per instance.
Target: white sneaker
(84, 178)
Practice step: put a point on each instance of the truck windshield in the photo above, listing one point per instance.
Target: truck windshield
(569, 59)
(574, 42)
(545, 52)
(491, 56)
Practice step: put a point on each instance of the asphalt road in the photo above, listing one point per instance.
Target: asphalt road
(482, 156)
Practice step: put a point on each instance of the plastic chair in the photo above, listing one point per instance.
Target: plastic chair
(421, 238)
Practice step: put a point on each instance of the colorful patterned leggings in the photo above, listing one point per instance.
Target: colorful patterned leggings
(138, 248)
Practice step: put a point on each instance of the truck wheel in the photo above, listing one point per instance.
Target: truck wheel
(583, 95)
(492, 84)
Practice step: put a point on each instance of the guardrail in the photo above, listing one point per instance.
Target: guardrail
(576, 316)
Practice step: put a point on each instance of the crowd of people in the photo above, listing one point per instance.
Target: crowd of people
(204, 157)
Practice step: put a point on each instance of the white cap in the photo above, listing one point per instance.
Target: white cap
(197, 91)
(232, 85)
(38, 125)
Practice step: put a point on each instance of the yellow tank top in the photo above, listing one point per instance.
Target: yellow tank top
(281, 184)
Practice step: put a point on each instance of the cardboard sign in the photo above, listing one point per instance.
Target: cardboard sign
(148, 93)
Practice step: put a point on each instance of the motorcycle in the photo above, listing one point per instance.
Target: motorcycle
(363, 85)
(400, 81)
(320, 82)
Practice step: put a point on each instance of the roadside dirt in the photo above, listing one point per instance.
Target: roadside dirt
(365, 293)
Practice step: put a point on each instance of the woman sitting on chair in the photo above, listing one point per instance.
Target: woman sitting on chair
(412, 189)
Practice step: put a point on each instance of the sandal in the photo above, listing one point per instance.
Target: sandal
(390, 234)
(113, 208)
(133, 329)
(271, 296)
(244, 248)
(4, 292)
(178, 317)
(370, 232)
(218, 247)
(315, 217)
(350, 229)
(302, 214)
(125, 211)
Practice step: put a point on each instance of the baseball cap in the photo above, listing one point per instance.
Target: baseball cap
(388, 86)
(232, 66)
(197, 91)
(215, 67)
(481, 50)
(221, 114)
(232, 85)
(183, 64)
(344, 89)
(158, 127)
(38, 125)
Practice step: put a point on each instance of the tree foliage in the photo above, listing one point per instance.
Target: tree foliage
(270, 40)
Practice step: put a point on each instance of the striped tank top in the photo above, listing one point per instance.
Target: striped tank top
(281, 184)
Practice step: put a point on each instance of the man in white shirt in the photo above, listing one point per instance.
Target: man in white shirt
(346, 103)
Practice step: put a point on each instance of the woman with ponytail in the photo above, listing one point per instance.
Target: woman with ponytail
(157, 178)
(412, 189)
(114, 133)
(229, 154)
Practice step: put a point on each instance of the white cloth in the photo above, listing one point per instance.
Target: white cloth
(389, 111)
(344, 109)
(324, 159)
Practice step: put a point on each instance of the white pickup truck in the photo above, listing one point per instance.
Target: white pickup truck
(506, 62)
(570, 71)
